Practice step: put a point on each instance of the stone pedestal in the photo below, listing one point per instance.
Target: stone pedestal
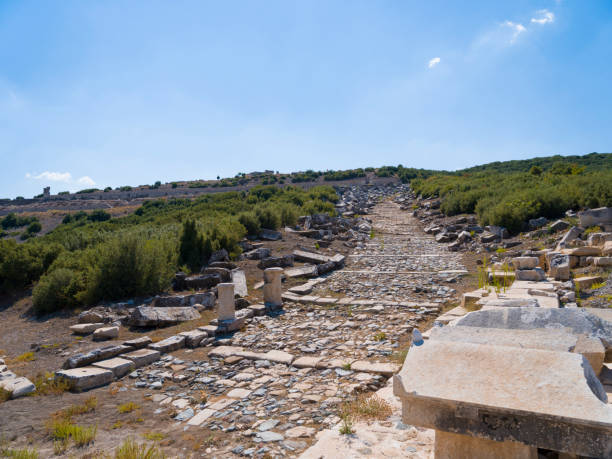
(227, 309)
(456, 446)
(272, 288)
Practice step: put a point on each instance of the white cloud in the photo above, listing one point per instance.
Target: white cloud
(85, 180)
(53, 176)
(517, 29)
(433, 62)
(544, 17)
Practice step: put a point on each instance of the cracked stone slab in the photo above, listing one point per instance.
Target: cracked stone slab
(85, 378)
(142, 357)
(521, 396)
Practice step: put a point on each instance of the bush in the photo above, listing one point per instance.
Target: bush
(268, 218)
(56, 290)
(34, 227)
(251, 223)
(191, 248)
(99, 215)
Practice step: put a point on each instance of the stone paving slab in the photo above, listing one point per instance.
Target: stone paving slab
(120, 367)
(142, 357)
(169, 344)
(85, 378)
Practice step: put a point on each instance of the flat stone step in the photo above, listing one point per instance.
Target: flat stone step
(120, 367)
(142, 357)
(169, 344)
(85, 378)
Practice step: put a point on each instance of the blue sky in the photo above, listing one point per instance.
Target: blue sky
(109, 93)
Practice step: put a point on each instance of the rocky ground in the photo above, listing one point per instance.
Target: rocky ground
(344, 338)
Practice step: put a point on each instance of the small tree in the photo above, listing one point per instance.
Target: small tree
(535, 170)
(191, 248)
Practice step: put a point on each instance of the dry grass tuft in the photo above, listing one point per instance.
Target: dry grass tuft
(368, 407)
(47, 384)
(127, 407)
(132, 450)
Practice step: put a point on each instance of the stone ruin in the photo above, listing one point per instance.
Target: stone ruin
(519, 377)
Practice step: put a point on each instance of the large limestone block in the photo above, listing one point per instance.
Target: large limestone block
(585, 282)
(105, 333)
(525, 262)
(142, 357)
(575, 320)
(95, 355)
(148, 316)
(302, 271)
(193, 338)
(606, 251)
(85, 378)
(224, 351)
(593, 350)
(559, 266)
(120, 367)
(310, 257)
(596, 217)
(584, 251)
(138, 343)
(169, 344)
(521, 396)
(17, 386)
(226, 306)
(602, 261)
(306, 362)
(509, 302)
(535, 274)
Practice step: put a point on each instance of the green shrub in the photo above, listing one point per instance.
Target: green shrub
(56, 290)
(191, 248)
(251, 223)
(268, 217)
(99, 215)
(34, 227)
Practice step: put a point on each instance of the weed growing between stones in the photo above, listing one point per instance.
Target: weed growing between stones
(127, 407)
(46, 384)
(347, 425)
(129, 449)
(5, 395)
(367, 407)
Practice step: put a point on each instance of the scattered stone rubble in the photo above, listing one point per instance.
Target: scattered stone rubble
(17, 386)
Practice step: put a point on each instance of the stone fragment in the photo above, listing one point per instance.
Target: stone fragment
(269, 436)
(120, 367)
(386, 369)
(142, 357)
(169, 344)
(525, 262)
(200, 417)
(85, 378)
(584, 251)
(535, 274)
(560, 267)
(310, 257)
(306, 362)
(302, 271)
(193, 338)
(601, 216)
(148, 316)
(279, 357)
(559, 225)
(602, 261)
(138, 343)
(17, 386)
(593, 350)
(85, 329)
(270, 235)
(90, 317)
(239, 393)
(105, 333)
(586, 282)
(95, 355)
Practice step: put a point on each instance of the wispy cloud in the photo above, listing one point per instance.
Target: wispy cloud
(86, 180)
(516, 27)
(543, 17)
(64, 177)
(433, 62)
(52, 176)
